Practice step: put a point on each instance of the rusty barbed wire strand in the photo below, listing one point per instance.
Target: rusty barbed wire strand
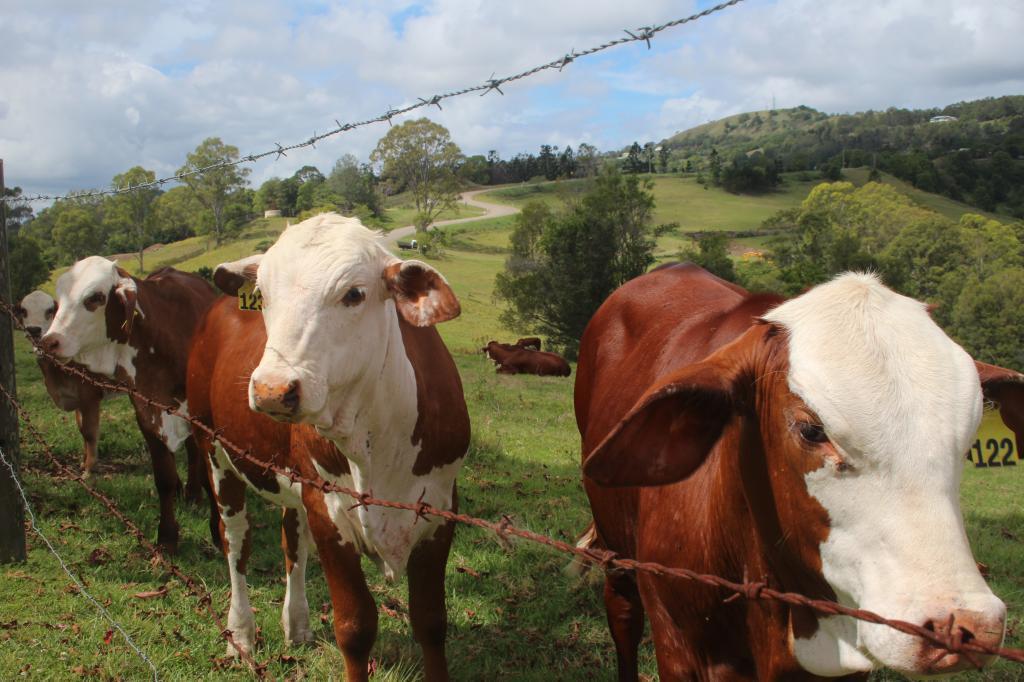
(79, 585)
(642, 34)
(204, 597)
(942, 639)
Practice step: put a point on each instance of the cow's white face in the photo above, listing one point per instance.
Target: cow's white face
(900, 403)
(36, 312)
(330, 292)
(79, 328)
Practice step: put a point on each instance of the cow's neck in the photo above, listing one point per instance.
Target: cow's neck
(377, 440)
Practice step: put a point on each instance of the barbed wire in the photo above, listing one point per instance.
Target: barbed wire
(79, 585)
(946, 639)
(203, 596)
(641, 34)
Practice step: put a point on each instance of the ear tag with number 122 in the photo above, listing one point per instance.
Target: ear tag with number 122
(249, 297)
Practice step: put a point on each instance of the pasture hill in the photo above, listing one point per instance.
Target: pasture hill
(969, 151)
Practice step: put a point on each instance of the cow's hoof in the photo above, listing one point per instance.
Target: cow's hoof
(243, 643)
(299, 637)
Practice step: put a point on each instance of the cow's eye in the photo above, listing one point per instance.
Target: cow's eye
(813, 433)
(95, 300)
(51, 312)
(353, 296)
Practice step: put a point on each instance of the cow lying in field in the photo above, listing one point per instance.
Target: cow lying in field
(815, 445)
(512, 359)
(345, 344)
(139, 331)
(68, 392)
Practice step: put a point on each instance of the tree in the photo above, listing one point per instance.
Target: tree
(712, 254)
(354, 185)
(78, 232)
(176, 213)
(587, 160)
(663, 158)
(28, 268)
(716, 167)
(130, 216)
(18, 211)
(564, 265)
(419, 156)
(634, 162)
(213, 188)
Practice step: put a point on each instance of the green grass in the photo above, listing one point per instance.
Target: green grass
(513, 613)
(680, 199)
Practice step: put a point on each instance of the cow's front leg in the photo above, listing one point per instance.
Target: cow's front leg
(355, 613)
(197, 485)
(88, 418)
(165, 476)
(295, 541)
(236, 542)
(426, 600)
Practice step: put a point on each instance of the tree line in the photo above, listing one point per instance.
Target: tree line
(417, 157)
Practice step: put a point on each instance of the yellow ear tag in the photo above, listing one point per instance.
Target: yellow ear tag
(995, 446)
(249, 297)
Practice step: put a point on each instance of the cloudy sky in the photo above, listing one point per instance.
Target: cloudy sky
(88, 90)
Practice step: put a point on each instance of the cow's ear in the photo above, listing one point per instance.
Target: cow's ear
(668, 433)
(126, 289)
(229, 277)
(1006, 388)
(421, 293)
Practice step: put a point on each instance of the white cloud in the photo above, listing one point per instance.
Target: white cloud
(89, 90)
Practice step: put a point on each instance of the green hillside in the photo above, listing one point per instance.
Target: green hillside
(971, 152)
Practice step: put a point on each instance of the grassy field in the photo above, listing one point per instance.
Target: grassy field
(680, 199)
(513, 613)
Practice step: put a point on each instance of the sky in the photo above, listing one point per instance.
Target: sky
(89, 90)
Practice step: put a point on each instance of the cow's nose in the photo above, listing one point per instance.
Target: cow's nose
(962, 626)
(278, 399)
(34, 332)
(50, 343)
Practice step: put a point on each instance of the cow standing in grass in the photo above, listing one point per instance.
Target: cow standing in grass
(68, 392)
(347, 346)
(139, 331)
(814, 445)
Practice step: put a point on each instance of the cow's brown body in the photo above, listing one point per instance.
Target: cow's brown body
(513, 359)
(226, 350)
(171, 303)
(719, 518)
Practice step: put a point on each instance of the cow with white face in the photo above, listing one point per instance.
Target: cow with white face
(351, 349)
(138, 331)
(71, 394)
(814, 445)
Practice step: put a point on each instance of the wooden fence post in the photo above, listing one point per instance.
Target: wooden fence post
(12, 514)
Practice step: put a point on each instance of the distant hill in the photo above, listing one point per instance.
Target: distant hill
(970, 151)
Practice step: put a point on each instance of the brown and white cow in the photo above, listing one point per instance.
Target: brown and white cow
(68, 392)
(815, 445)
(513, 359)
(350, 349)
(139, 331)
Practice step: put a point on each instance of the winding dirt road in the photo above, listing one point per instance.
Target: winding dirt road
(468, 198)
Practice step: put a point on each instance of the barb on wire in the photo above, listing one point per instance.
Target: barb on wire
(78, 583)
(950, 642)
(643, 34)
